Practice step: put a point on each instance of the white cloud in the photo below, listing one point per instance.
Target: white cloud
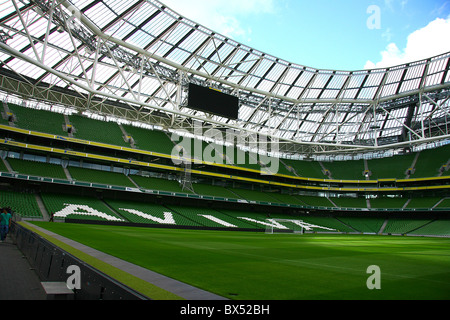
(427, 42)
(221, 15)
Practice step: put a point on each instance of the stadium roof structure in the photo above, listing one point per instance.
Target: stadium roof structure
(134, 60)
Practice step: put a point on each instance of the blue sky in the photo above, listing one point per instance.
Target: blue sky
(329, 34)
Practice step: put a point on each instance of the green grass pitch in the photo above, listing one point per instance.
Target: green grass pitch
(256, 266)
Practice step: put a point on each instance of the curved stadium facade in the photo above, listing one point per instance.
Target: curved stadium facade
(96, 100)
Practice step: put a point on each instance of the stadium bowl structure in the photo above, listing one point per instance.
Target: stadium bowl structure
(105, 85)
(135, 59)
(96, 126)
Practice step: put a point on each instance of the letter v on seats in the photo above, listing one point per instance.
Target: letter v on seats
(168, 216)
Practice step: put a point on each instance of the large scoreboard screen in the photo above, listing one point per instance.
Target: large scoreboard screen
(213, 101)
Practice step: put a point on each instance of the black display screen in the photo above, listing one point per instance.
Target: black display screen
(213, 101)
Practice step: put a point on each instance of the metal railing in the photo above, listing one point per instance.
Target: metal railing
(51, 263)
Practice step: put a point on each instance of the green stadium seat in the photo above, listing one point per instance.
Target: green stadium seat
(431, 161)
(404, 225)
(152, 183)
(3, 167)
(347, 202)
(100, 176)
(422, 203)
(149, 213)
(438, 227)
(79, 207)
(445, 203)
(390, 168)
(35, 168)
(97, 130)
(254, 195)
(387, 203)
(306, 169)
(150, 140)
(214, 191)
(38, 120)
(363, 224)
(314, 201)
(346, 170)
(23, 204)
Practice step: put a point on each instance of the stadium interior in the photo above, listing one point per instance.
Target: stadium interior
(363, 151)
(90, 108)
(94, 92)
(44, 171)
(126, 113)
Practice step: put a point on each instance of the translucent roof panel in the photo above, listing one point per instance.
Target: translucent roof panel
(142, 53)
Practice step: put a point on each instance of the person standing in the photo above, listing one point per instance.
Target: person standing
(5, 223)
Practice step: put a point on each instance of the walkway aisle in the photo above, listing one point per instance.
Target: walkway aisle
(17, 280)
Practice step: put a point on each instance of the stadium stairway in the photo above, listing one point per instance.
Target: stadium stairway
(383, 226)
(346, 224)
(7, 165)
(44, 212)
(18, 281)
